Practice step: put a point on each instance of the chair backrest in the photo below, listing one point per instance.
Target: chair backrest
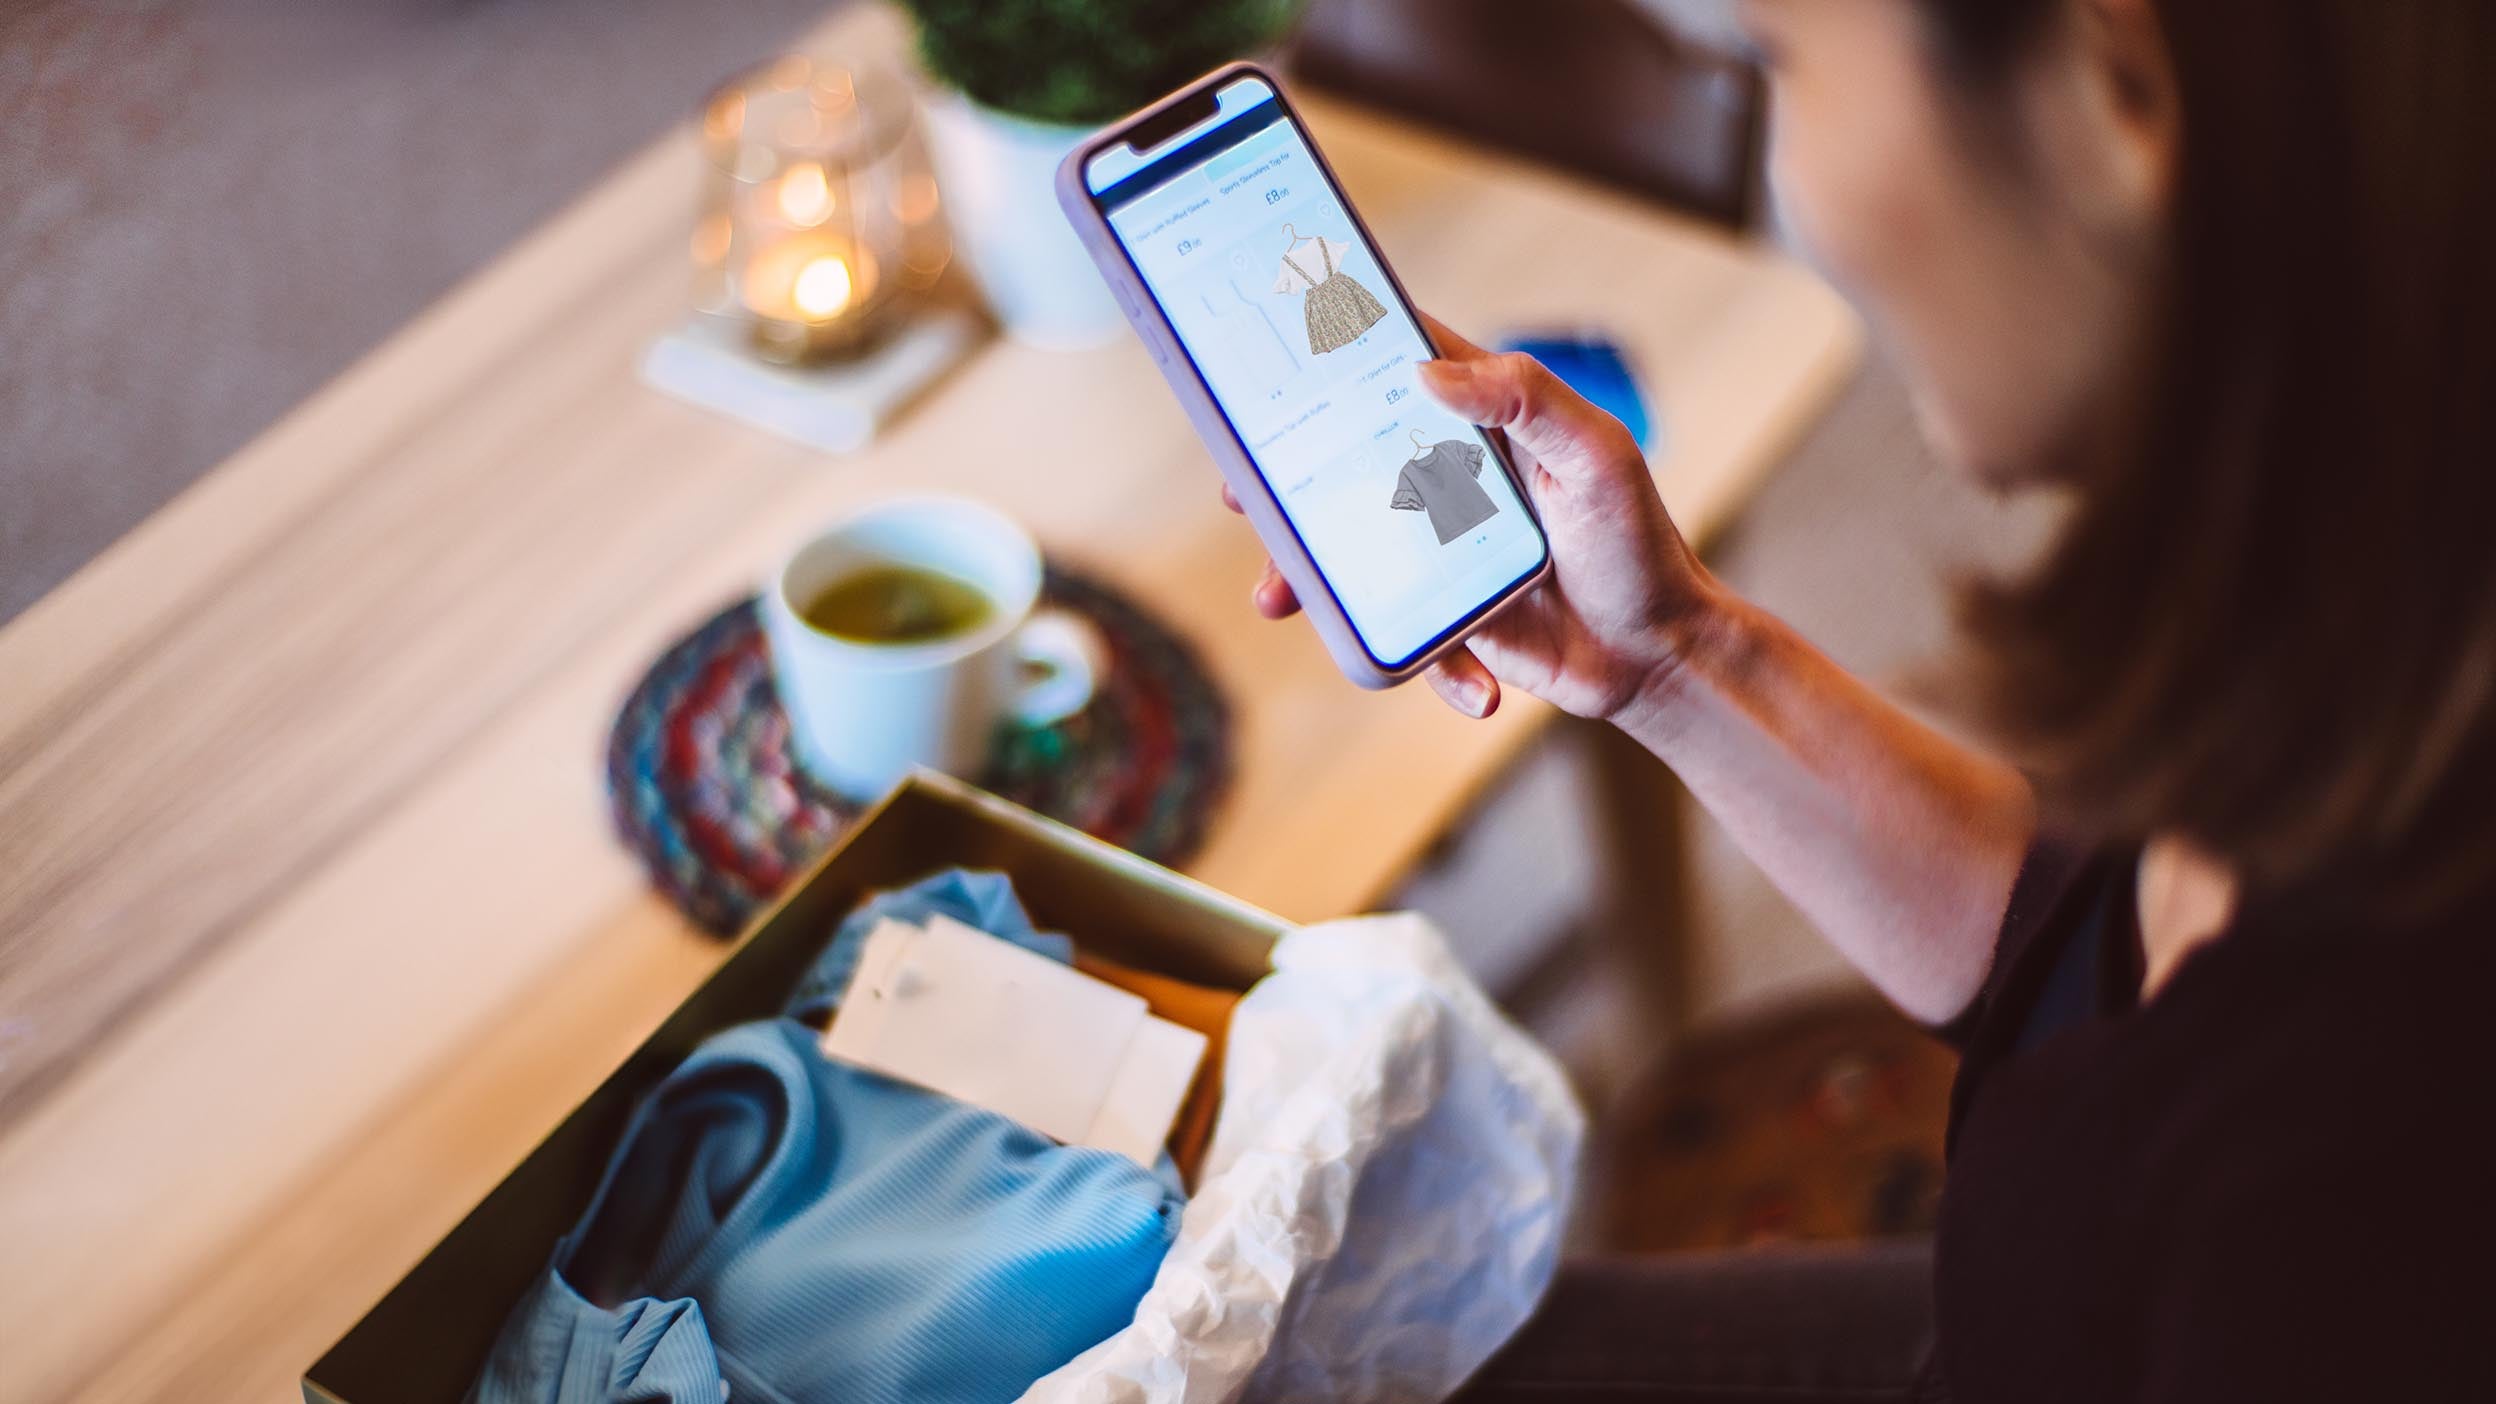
(1600, 87)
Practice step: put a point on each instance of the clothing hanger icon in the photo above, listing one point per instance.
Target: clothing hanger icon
(1419, 448)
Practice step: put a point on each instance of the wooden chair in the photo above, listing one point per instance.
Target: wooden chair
(1600, 87)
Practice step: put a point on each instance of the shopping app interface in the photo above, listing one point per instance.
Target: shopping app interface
(1285, 312)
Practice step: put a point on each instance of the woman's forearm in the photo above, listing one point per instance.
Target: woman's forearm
(1900, 844)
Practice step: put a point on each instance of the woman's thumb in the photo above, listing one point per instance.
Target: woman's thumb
(1517, 394)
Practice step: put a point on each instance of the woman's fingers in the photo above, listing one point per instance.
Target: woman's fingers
(1273, 595)
(1451, 343)
(1459, 679)
(1516, 394)
(1463, 683)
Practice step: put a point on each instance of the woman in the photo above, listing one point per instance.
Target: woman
(2220, 271)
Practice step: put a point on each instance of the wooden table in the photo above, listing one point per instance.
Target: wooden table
(310, 919)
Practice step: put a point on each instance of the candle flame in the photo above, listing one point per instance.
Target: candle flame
(823, 286)
(805, 194)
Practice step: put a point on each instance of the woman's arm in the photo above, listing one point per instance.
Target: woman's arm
(1901, 845)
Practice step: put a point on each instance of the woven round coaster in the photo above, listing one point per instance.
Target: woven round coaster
(707, 792)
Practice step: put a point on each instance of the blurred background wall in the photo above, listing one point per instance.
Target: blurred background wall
(213, 206)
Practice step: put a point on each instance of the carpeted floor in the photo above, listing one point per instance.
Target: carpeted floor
(1821, 1122)
(215, 205)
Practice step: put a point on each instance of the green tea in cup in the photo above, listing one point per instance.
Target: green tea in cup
(907, 632)
(898, 604)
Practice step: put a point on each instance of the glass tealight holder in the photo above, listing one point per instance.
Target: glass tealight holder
(822, 223)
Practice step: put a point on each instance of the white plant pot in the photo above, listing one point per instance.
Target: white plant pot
(999, 173)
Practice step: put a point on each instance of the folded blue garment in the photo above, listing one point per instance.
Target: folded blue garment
(560, 1348)
(800, 1229)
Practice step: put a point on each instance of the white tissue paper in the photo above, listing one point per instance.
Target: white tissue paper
(1382, 1203)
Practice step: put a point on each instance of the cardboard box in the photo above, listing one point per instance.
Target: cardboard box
(424, 1342)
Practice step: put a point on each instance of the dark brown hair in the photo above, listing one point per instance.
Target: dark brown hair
(2271, 623)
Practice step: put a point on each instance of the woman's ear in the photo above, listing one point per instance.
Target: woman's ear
(2130, 75)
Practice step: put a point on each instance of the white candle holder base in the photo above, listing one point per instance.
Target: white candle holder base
(836, 407)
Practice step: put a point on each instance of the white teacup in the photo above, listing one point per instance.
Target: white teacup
(863, 714)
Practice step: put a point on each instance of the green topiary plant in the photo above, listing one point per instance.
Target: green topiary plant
(1081, 62)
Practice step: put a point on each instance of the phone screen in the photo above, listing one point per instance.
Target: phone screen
(1311, 354)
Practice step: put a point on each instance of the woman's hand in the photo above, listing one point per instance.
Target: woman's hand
(1626, 597)
(1899, 842)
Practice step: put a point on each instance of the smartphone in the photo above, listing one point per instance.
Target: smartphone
(1274, 316)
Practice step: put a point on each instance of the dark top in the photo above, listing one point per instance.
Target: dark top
(1441, 481)
(2276, 1181)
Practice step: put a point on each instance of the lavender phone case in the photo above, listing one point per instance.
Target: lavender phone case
(1317, 598)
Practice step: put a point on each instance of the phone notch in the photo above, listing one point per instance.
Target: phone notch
(1170, 129)
(1168, 126)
